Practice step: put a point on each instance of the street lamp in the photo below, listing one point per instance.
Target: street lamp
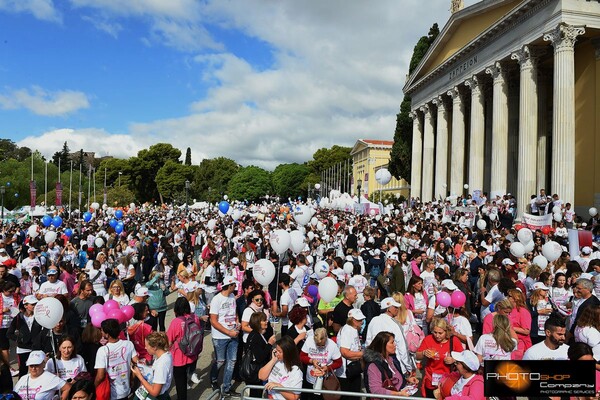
(466, 187)
(2, 191)
(358, 187)
(120, 173)
(187, 190)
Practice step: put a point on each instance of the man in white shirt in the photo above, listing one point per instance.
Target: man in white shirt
(225, 330)
(52, 286)
(553, 347)
(299, 278)
(385, 322)
(31, 261)
(286, 303)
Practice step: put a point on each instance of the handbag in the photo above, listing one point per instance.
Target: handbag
(331, 382)
(103, 389)
(353, 369)
(414, 337)
(249, 368)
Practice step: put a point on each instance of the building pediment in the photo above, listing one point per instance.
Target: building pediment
(461, 29)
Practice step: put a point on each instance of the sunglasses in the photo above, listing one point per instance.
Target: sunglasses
(258, 300)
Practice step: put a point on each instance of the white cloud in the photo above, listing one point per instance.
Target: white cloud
(104, 25)
(43, 102)
(40, 9)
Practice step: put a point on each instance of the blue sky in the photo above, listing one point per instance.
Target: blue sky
(262, 82)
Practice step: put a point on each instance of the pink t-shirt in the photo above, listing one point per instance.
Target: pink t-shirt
(175, 334)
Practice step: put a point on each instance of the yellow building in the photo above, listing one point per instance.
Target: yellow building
(369, 156)
(507, 99)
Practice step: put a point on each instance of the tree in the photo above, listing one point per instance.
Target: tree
(8, 150)
(113, 166)
(171, 177)
(145, 166)
(288, 180)
(401, 154)
(188, 156)
(250, 183)
(81, 164)
(324, 158)
(211, 179)
(119, 196)
(62, 158)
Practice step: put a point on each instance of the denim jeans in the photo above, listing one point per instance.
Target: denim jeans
(225, 353)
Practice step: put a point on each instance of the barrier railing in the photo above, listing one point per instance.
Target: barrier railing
(214, 395)
(245, 394)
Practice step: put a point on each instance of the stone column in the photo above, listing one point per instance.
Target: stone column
(441, 149)
(428, 153)
(477, 142)
(528, 126)
(499, 167)
(542, 140)
(417, 154)
(457, 153)
(563, 123)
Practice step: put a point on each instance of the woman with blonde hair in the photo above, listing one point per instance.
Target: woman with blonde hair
(503, 307)
(185, 285)
(405, 319)
(436, 347)
(116, 292)
(157, 346)
(499, 344)
(520, 319)
(320, 355)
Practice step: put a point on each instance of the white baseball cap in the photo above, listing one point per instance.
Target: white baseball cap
(468, 358)
(235, 260)
(36, 358)
(586, 250)
(540, 285)
(142, 291)
(31, 299)
(356, 314)
(228, 280)
(448, 284)
(388, 302)
(302, 302)
(507, 261)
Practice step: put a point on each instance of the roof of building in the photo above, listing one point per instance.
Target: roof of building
(379, 142)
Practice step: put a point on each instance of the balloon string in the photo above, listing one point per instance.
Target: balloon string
(277, 281)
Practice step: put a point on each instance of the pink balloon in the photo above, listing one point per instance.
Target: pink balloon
(458, 299)
(115, 314)
(128, 312)
(96, 308)
(444, 299)
(98, 318)
(110, 305)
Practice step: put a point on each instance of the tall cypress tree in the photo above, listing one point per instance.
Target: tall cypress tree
(188, 156)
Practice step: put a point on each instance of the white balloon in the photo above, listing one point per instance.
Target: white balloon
(32, 231)
(296, 241)
(334, 219)
(225, 197)
(211, 224)
(557, 217)
(50, 237)
(322, 269)
(517, 249)
(525, 235)
(328, 289)
(48, 312)
(551, 250)
(132, 206)
(280, 240)
(556, 210)
(540, 261)
(481, 224)
(99, 242)
(383, 176)
(264, 272)
(236, 214)
(493, 216)
(529, 246)
(310, 235)
(302, 214)
(320, 226)
(314, 221)
(95, 206)
(348, 268)
(228, 233)
(593, 212)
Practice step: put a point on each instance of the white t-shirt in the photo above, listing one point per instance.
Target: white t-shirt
(224, 308)
(67, 369)
(461, 325)
(211, 273)
(291, 379)
(7, 317)
(347, 338)
(591, 336)
(99, 283)
(52, 289)
(541, 352)
(123, 300)
(44, 387)
(246, 318)
(493, 296)
(187, 287)
(288, 298)
(124, 271)
(163, 371)
(119, 356)
(28, 263)
(324, 355)
(298, 279)
(428, 282)
(542, 318)
(488, 348)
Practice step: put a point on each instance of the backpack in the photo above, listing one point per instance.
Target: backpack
(191, 341)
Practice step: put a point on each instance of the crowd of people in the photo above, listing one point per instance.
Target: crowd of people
(385, 331)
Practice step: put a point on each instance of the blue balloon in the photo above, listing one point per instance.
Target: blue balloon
(8, 184)
(119, 214)
(87, 216)
(224, 207)
(113, 222)
(57, 221)
(119, 227)
(68, 232)
(16, 194)
(46, 220)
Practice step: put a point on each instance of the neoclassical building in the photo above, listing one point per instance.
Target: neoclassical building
(507, 100)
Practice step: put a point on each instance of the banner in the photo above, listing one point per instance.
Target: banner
(577, 240)
(59, 191)
(32, 194)
(468, 213)
(539, 378)
(535, 222)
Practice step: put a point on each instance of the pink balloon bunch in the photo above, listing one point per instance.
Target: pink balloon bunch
(444, 299)
(110, 310)
(458, 299)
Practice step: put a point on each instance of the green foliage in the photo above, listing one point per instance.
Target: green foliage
(324, 158)
(8, 150)
(211, 179)
(250, 183)
(145, 166)
(171, 177)
(401, 154)
(113, 166)
(288, 180)
(118, 196)
(62, 157)
(188, 156)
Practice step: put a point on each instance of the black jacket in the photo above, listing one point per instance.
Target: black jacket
(19, 332)
(260, 348)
